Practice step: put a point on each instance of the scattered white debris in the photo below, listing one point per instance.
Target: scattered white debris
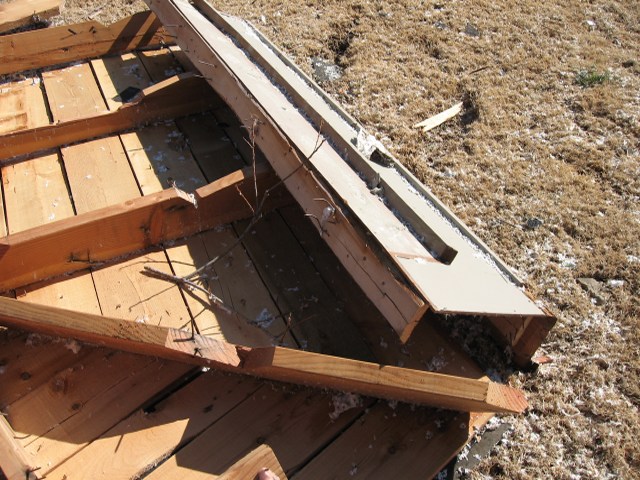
(72, 345)
(615, 283)
(383, 344)
(264, 319)
(354, 470)
(142, 319)
(566, 261)
(342, 402)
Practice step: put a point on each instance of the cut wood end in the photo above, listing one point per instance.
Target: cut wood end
(506, 399)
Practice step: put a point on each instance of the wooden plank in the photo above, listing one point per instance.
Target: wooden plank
(178, 96)
(141, 441)
(126, 292)
(31, 360)
(36, 193)
(401, 307)
(413, 444)
(104, 411)
(255, 461)
(57, 45)
(136, 337)
(317, 320)
(75, 243)
(275, 363)
(393, 383)
(18, 13)
(295, 424)
(215, 153)
(67, 392)
(436, 120)
(14, 462)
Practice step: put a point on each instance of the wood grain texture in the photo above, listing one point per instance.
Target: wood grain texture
(382, 381)
(275, 363)
(75, 243)
(174, 97)
(296, 424)
(101, 412)
(136, 337)
(18, 13)
(142, 440)
(57, 45)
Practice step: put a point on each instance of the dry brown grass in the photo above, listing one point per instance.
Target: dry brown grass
(540, 145)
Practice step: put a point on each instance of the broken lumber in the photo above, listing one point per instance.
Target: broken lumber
(90, 238)
(56, 45)
(246, 89)
(274, 363)
(14, 462)
(175, 97)
(19, 13)
(440, 118)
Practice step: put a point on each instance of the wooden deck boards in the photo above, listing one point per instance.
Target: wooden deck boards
(111, 435)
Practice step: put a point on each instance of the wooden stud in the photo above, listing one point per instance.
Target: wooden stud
(18, 13)
(275, 363)
(69, 43)
(77, 243)
(178, 96)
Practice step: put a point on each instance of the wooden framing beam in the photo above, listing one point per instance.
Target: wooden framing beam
(397, 300)
(275, 363)
(18, 13)
(175, 97)
(79, 242)
(14, 461)
(53, 46)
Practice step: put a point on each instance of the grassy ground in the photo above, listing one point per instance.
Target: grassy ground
(544, 165)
